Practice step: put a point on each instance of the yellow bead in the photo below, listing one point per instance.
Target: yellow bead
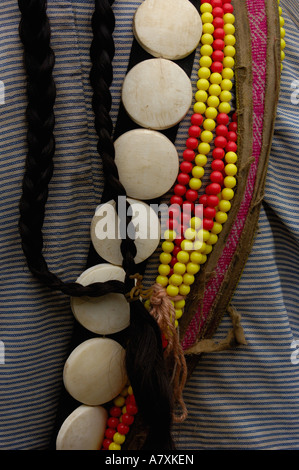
(208, 249)
(114, 446)
(209, 124)
(198, 171)
(208, 28)
(229, 28)
(227, 73)
(162, 280)
(206, 136)
(195, 183)
(130, 390)
(224, 205)
(229, 40)
(124, 392)
(119, 401)
(204, 259)
(282, 44)
(231, 157)
(195, 259)
(282, 54)
(201, 160)
(204, 72)
(187, 245)
(226, 85)
(147, 305)
(164, 269)
(213, 101)
(207, 18)
(221, 217)
(206, 7)
(199, 246)
(230, 169)
(228, 62)
(211, 112)
(227, 194)
(215, 90)
(281, 21)
(183, 256)
(203, 235)
(217, 228)
(176, 323)
(178, 313)
(190, 233)
(282, 32)
(216, 78)
(193, 268)
(165, 258)
(279, 11)
(205, 61)
(229, 51)
(184, 290)
(230, 182)
(207, 39)
(167, 247)
(224, 107)
(206, 50)
(202, 84)
(212, 239)
(195, 223)
(176, 280)
(119, 438)
(225, 96)
(228, 18)
(169, 235)
(188, 279)
(199, 107)
(172, 291)
(204, 148)
(179, 268)
(180, 304)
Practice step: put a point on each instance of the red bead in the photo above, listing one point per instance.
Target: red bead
(191, 143)
(220, 141)
(219, 33)
(130, 400)
(209, 212)
(233, 126)
(176, 250)
(179, 190)
(172, 224)
(174, 212)
(218, 22)
(164, 341)
(231, 147)
(194, 131)
(132, 409)
(213, 201)
(217, 165)
(216, 67)
(123, 429)
(188, 207)
(191, 195)
(228, 8)
(218, 45)
(172, 263)
(213, 188)
(207, 224)
(115, 411)
(106, 443)
(170, 274)
(232, 136)
(109, 433)
(112, 422)
(218, 153)
(188, 154)
(127, 419)
(234, 117)
(203, 200)
(186, 167)
(183, 178)
(216, 3)
(178, 241)
(222, 118)
(185, 218)
(221, 129)
(216, 176)
(207, 1)
(176, 200)
(217, 12)
(197, 119)
(217, 56)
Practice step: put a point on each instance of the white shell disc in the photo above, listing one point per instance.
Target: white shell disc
(167, 28)
(83, 429)
(94, 372)
(107, 231)
(147, 163)
(157, 94)
(102, 315)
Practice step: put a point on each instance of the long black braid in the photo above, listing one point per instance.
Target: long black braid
(144, 354)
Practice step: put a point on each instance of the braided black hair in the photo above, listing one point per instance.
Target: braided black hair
(146, 368)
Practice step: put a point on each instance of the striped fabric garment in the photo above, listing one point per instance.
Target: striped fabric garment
(247, 398)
